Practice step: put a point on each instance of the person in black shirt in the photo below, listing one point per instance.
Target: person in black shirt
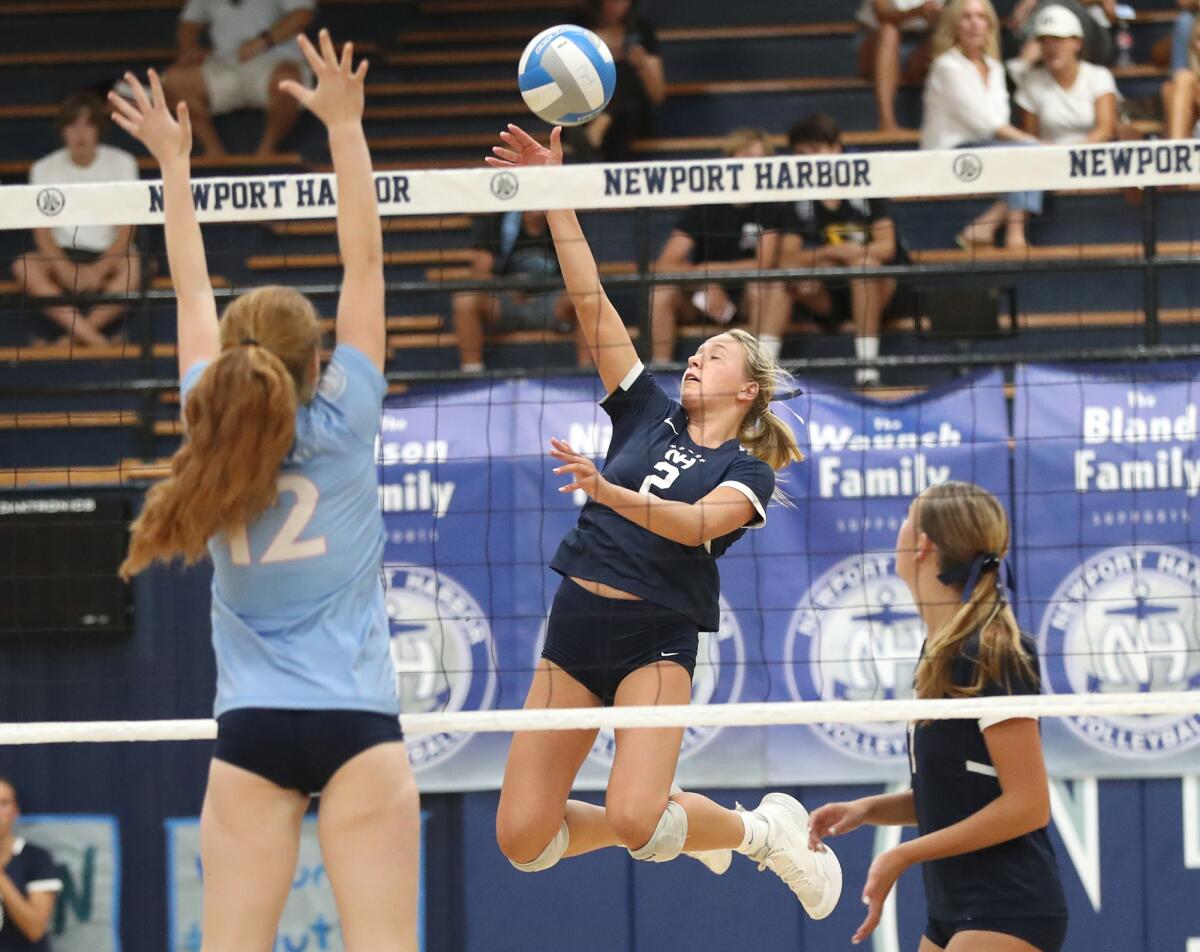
(515, 244)
(641, 83)
(979, 796)
(725, 238)
(681, 482)
(846, 233)
(29, 883)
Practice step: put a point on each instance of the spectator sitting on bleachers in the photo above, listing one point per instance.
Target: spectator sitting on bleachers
(512, 245)
(887, 27)
(85, 259)
(253, 50)
(1096, 17)
(1181, 93)
(641, 83)
(724, 238)
(847, 233)
(966, 104)
(1066, 101)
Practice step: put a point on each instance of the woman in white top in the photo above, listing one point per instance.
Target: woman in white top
(1181, 94)
(1066, 100)
(966, 104)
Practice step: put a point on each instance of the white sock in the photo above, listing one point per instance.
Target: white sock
(755, 837)
(472, 368)
(866, 348)
(770, 344)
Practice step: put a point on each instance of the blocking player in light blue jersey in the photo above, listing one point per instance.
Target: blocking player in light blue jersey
(276, 478)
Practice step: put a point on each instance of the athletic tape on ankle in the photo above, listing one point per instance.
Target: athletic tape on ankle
(550, 855)
(668, 839)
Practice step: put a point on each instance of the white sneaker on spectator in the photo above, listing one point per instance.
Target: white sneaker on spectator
(814, 878)
(717, 861)
(867, 377)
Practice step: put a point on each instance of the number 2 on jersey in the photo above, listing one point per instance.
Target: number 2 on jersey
(286, 546)
(669, 475)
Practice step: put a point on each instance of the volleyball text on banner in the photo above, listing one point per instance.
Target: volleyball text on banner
(839, 624)
(1107, 507)
(646, 184)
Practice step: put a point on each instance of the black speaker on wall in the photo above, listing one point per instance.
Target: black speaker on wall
(59, 554)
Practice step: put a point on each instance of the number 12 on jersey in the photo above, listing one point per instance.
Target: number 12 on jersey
(287, 546)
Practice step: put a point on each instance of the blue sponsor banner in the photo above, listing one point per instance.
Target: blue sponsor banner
(1106, 521)
(837, 623)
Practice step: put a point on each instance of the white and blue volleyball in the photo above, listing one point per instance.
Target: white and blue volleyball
(567, 75)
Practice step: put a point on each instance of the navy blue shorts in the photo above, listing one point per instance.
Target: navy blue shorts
(299, 750)
(1044, 933)
(600, 641)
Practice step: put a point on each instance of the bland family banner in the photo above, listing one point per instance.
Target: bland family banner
(811, 607)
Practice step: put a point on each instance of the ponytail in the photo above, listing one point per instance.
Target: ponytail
(240, 424)
(763, 433)
(967, 523)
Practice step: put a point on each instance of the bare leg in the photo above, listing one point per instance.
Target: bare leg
(470, 310)
(37, 278)
(767, 308)
(249, 840)
(186, 83)
(813, 296)
(667, 305)
(1014, 230)
(370, 832)
(887, 75)
(282, 109)
(540, 771)
(644, 767)
(122, 276)
(1180, 106)
(927, 946)
(982, 230)
(869, 298)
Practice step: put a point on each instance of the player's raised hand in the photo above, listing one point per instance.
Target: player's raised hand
(520, 148)
(338, 97)
(147, 119)
(583, 472)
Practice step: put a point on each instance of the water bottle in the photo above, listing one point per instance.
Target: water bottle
(1124, 43)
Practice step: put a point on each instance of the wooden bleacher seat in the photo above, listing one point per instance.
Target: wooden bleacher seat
(333, 260)
(394, 223)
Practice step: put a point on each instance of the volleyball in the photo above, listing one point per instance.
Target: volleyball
(567, 75)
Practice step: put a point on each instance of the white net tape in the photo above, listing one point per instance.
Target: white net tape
(644, 184)
(680, 715)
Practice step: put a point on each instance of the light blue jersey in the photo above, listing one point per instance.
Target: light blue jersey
(298, 614)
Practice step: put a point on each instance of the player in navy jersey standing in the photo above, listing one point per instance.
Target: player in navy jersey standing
(979, 796)
(682, 481)
(276, 477)
(29, 883)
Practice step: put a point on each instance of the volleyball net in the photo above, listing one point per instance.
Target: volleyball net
(1063, 378)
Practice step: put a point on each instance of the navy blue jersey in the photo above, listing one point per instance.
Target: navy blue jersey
(651, 452)
(32, 870)
(953, 778)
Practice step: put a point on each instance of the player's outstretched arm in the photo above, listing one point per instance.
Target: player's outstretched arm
(169, 140)
(606, 335)
(338, 102)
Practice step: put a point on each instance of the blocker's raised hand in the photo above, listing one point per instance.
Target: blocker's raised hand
(520, 148)
(149, 120)
(338, 97)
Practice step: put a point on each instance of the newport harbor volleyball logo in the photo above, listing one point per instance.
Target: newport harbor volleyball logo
(720, 671)
(1127, 620)
(856, 636)
(441, 648)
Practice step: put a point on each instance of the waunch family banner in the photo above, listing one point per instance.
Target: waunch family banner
(1101, 482)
